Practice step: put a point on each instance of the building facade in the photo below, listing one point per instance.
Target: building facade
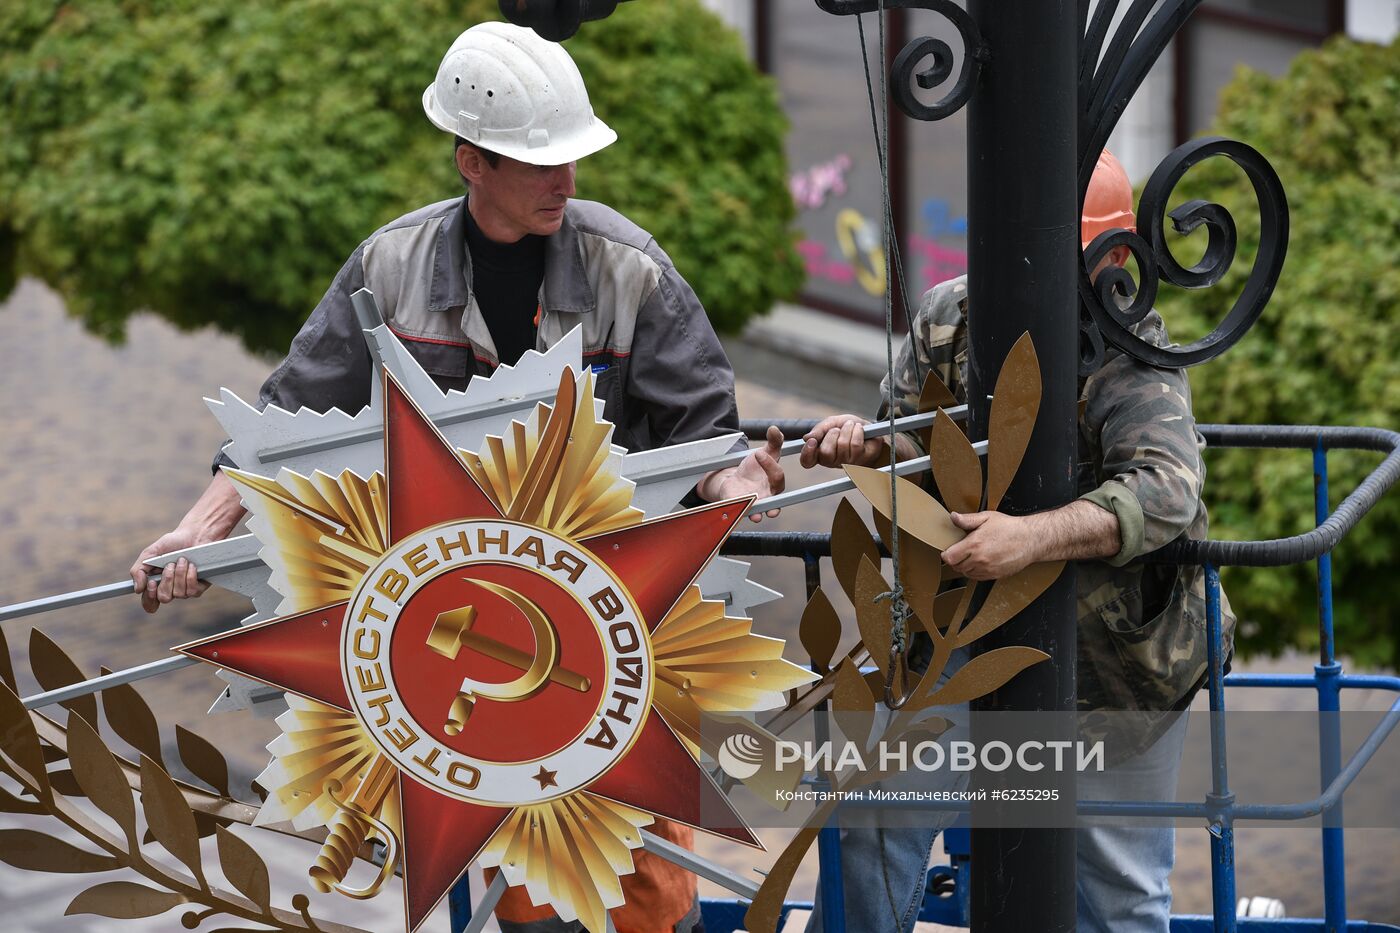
(816, 60)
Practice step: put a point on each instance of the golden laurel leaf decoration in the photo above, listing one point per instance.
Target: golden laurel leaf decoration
(99, 780)
(958, 476)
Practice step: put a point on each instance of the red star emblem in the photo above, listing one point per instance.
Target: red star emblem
(495, 664)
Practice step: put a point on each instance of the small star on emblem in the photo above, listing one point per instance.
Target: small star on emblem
(546, 778)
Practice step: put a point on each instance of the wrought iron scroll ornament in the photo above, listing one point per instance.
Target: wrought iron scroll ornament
(1109, 76)
(904, 73)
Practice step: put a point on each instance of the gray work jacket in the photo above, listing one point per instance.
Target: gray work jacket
(660, 370)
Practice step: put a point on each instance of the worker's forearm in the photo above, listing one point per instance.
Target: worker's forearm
(218, 510)
(1078, 531)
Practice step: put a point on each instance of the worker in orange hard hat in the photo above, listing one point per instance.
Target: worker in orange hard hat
(1108, 204)
(1141, 651)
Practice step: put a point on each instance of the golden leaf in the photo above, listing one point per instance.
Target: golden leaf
(948, 606)
(820, 630)
(850, 541)
(767, 907)
(7, 670)
(53, 669)
(873, 615)
(203, 760)
(30, 851)
(169, 817)
(9, 803)
(935, 394)
(984, 674)
(206, 825)
(956, 469)
(1009, 596)
(851, 694)
(1015, 404)
(130, 718)
(124, 900)
(920, 568)
(920, 514)
(244, 868)
(100, 776)
(63, 782)
(20, 743)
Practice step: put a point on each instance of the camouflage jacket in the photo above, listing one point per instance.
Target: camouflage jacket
(1142, 637)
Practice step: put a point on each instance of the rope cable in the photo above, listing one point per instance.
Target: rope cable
(899, 606)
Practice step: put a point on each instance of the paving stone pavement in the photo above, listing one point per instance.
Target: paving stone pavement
(103, 447)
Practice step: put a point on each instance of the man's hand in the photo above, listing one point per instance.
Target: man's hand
(178, 580)
(759, 475)
(997, 545)
(839, 440)
(211, 519)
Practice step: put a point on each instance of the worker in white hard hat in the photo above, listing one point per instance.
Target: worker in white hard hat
(1141, 646)
(473, 282)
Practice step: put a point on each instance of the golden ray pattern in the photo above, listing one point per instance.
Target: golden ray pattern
(569, 853)
(558, 470)
(318, 744)
(707, 662)
(320, 533)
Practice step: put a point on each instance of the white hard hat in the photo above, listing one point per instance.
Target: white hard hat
(508, 91)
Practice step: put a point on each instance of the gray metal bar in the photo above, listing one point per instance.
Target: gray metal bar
(875, 429)
(367, 311)
(374, 432)
(210, 571)
(65, 600)
(698, 864)
(841, 484)
(115, 679)
(108, 590)
(481, 913)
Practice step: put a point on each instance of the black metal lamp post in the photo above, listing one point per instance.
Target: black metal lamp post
(1023, 250)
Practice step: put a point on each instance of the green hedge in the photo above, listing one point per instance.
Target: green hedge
(216, 161)
(1327, 349)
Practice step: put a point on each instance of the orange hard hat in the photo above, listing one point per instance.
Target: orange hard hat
(1109, 201)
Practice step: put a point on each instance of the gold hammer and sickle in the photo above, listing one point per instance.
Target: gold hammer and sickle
(452, 630)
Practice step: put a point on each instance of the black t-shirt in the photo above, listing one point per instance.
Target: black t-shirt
(506, 280)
